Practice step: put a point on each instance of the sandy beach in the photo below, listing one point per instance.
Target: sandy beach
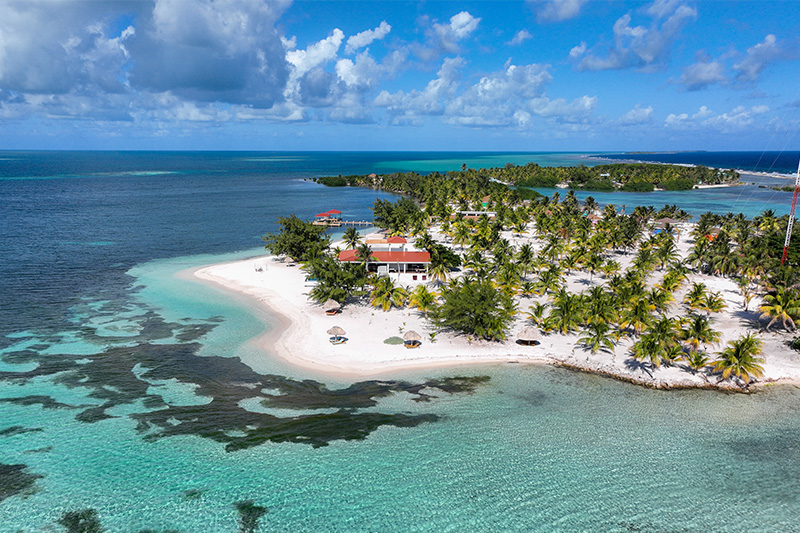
(301, 339)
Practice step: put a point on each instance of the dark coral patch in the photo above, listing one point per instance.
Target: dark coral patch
(121, 375)
(84, 521)
(249, 515)
(45, 401)
(18, 430)
(15, 480)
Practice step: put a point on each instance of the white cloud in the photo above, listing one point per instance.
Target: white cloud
(758, 57)
(520, 37)
(637, 115)
(365, 72)
(703, 112)
(572, 112)
(365, 38)
(558, 10)
(461, 26)
(429, 101)
(444, 38)
(512, 96)
(736, 120)
(702, 74)
(578, 51)
(207, 50)
(317, 54)
(640, 46)
(58, 48)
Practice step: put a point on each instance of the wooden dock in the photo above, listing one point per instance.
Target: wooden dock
(339, 223)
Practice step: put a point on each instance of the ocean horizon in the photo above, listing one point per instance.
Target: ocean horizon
(134, 393)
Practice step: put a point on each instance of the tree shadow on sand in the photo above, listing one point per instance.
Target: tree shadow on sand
(634, 365)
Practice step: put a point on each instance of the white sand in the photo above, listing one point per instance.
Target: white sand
(302, 339)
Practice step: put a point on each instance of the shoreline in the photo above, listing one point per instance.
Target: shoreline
(299, 338)
(275, 340)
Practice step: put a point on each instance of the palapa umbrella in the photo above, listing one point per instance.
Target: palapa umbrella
(412, 335)
(336, 331)
(412, 339)
(331, 306)
(528, 335)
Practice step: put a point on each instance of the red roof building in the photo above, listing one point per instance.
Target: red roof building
(399, 261)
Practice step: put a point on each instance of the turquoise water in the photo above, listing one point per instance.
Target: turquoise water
(751, 199)
(134, 392)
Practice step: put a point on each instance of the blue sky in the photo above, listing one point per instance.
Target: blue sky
(548, 75)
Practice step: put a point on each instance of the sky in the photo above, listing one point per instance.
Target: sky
(536, 75)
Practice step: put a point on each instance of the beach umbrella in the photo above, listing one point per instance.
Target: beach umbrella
(336, 331)
(412, 336)
(331, 307)
(331, 304)
(528, 335)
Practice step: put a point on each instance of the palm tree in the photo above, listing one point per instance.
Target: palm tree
(423, 299)
(527, 288)
(386, 294)
(351, 238)
(462, 234)
(525, 257)
(741, 360)
(696, 361)
(637, 316)
(438, 270)
(746, 289)
(598, 336)
(695, 296)
(660, 299)
(658, 345)
(364, 254)
(600, 307)
(697, 330)
(712, 303)
(783, 306)
(425, 242)
(567, 311)
(538, 313)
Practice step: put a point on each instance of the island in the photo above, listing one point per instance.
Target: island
(469, 268)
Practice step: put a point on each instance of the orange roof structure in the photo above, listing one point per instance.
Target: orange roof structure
(396, 240)
(388, 257)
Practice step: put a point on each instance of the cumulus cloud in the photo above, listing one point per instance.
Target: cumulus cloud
(520, 37)
(637, 115)
(444, 38)
(513, 96)
(642, 46)
(497, 97)
(367, 37)
(430, 100)
(212, 51)
(57, 48)
(577, 51)
(735, 120)
(758, 57)
(557, 10)
(704, 73)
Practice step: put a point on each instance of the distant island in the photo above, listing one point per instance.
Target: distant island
(630, 177)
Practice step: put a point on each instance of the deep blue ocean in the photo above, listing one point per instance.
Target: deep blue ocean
(131, 395)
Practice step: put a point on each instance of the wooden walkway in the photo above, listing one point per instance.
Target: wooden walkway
(338, 223)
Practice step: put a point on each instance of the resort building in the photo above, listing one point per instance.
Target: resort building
(391, 255)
